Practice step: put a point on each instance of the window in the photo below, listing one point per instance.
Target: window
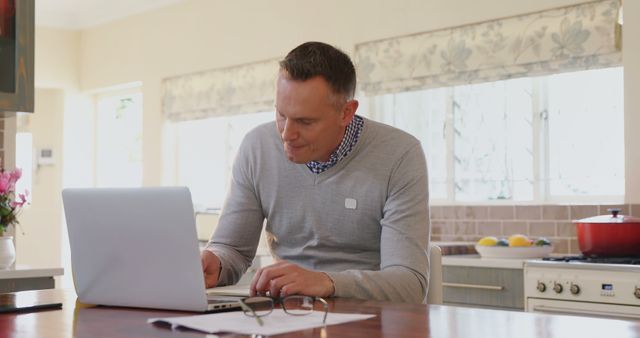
(203, 154)
(550, 138)
(422, 114)
(492, 129)
(119, 139)
(586, 133)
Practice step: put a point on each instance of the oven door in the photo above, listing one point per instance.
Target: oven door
(582, 308)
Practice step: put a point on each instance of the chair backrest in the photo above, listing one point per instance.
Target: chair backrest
(434, 294)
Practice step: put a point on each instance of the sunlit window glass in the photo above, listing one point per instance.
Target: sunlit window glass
(493, 141)
(119, 140)
(586, 133)
(423, 114)
(549, 138)
(205, 151)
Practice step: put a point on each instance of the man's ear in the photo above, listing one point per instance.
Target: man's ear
(349, 111)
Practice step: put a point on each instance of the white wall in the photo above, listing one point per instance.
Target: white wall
(57, 100)
(40, 221)
(56, 58)
(207, 34)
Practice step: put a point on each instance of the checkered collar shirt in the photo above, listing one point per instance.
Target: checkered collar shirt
(351, 135)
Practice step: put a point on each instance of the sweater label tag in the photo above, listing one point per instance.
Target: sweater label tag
(350, 203)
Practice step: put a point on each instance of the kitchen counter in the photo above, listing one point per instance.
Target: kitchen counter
(456, 248)
(24, 271)
(21, 278)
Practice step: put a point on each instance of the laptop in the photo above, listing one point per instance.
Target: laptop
(138, 247)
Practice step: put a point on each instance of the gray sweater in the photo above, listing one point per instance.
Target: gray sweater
(365, 221)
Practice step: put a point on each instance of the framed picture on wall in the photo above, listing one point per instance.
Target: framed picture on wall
(17, 27)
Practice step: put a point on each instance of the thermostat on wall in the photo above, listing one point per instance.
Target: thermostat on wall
(45, 156)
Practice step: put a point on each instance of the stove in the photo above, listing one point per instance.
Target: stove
(597, 260)
(592, 286)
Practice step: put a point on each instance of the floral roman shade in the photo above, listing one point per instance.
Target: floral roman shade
(241, 89)
(572, 38)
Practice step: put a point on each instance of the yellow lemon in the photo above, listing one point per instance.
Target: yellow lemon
(488, 241)
(519, 240)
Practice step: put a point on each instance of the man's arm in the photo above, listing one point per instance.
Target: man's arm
(211, 267)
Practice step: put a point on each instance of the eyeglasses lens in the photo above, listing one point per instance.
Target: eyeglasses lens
(261, 306)
(298, 305)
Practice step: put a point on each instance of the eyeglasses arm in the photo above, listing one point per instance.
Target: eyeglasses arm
(247, 308)
(326, 309)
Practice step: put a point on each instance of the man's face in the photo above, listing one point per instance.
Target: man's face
(310, 124)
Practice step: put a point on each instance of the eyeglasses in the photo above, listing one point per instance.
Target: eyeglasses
(295, 305)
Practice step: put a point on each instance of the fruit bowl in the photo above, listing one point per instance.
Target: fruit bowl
(514, 252)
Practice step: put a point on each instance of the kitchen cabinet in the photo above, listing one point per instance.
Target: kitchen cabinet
(468, 280)
(17, 26)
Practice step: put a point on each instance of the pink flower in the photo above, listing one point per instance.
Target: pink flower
(10, 206)
(5, 183)
(15, 175)
(23, 200)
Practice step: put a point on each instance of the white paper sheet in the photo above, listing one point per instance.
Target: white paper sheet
(275, 323)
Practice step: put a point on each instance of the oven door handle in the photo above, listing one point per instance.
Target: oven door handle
(563, 310)
(473, 286)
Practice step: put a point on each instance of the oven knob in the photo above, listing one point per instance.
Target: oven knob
(637, 292)
(542, 287)
(557, 287)
(575, 289)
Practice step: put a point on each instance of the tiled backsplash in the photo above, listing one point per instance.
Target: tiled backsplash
(470, 223)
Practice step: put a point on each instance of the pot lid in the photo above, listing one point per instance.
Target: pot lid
(614, 217)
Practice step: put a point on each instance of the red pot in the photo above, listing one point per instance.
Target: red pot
(609, 235)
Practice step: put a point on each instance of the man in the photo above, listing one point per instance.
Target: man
(345, 198)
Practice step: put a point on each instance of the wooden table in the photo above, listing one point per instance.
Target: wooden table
(392, 320)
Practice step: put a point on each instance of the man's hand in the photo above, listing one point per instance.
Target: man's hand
(284, 279)
(210, 267)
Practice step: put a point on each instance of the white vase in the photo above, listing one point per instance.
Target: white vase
(7, 252)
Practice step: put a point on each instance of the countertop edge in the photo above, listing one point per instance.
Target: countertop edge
(30, 272)
(477, 261)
